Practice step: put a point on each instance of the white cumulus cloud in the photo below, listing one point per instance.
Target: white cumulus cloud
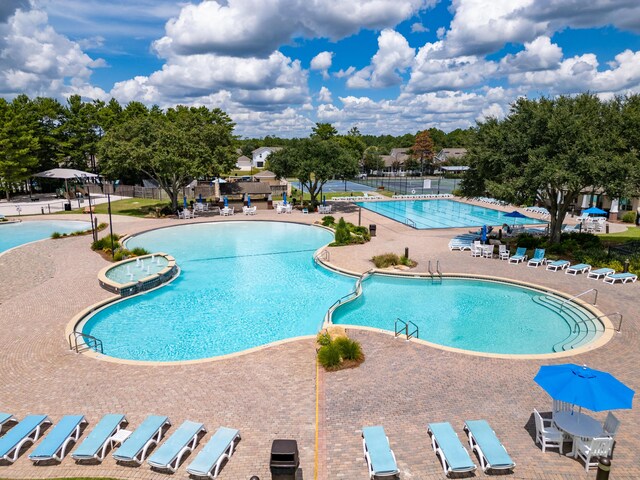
(322, 63)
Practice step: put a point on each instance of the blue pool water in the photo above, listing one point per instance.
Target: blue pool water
(443, 214)
(462, 313)
(136, 270)
(242, 284)
(15, 234)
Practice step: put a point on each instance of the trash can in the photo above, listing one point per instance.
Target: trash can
(284, 460)
(67, 207)
(372, 229)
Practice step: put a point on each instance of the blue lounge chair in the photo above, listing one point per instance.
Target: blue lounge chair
(519, 256)
(54, 446)
(446, 444)
(601, 272)
(28, 430)
(538, 258)
(134, 448)
(219, 448)
(380, 458)
(183, 440)
(95, 446)
(558, 265)
(621, 277)
(491, 452)
(579, 268)
(5, 418)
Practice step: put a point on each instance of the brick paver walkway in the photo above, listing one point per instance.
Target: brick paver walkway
(271, 393)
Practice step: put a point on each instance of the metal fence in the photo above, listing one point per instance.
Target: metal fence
(411, 185)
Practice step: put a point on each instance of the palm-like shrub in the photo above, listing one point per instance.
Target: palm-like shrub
(349, 349)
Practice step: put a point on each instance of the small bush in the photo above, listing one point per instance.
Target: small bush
(329, 356)
(56, 235)
(343, 236)
(629, 217)
(120, 255)
(323, 339)
(349, 349)
(105, 243)
(328, 221)
(139, 251)
(386, 260)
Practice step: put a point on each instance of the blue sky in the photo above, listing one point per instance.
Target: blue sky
(279, 66)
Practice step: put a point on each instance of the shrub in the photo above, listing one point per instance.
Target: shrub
(629, 217)
(139, 251)
(323, 339)
(360, 231)
(328, 221)
(329, 355)
(343, 236)
(56, 235)
(104, 243)
(386, 260)
(120, 255)
(349, 349)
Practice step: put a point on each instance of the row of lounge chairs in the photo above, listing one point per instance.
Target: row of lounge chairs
(422, 196)
(109, 432)
(454, 457)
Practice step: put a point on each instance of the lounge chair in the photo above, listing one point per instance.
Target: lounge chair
(446, 444)
(601, 272)
(5, 418)
(219, 448)
(183, 440)
(579, 268)
(558, 265)
(54, 446)
(491, 452)
(28, 430)
(95, 446)
(621, 277)
(519, 256)
(381, 461)
(537, 259)
(134, 448)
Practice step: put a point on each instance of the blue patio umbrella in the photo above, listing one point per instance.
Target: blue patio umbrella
(226, 201)
(483, 234)
(184, 201)
(284, 198)
(594, 211)
(200, 198)
(515, 214)
(248, 200)
(584, 386)
(324, 201)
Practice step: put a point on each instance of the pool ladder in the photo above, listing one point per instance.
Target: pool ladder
(87, 342)
(437, 274)
(404, 329)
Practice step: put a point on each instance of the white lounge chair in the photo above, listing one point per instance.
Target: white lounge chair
(446, 444)
(558, 265)
(579, 268)
(219, 448)
(150, 432)
(95, 446)
(27, 431)
(547, 436)
(588, 449)
(620, 277)
(601, 272)
(169, 455)
(611, 425)
(380, 459)
(54, 446)
(491, 452)
(5, 418)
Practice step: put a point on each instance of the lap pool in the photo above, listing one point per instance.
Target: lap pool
(245, 284)
(16, 234)
(428, 214)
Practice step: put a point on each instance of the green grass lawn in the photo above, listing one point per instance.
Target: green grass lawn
(632, 233)
(133, 207)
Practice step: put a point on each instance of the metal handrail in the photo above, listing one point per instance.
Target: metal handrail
(398, 332)
(353, 294)
(410, 222)
(429, 269)
(438, 269)
(595, 300)
(324, 253)
(97, 343)
(608, 315)
(416, 331)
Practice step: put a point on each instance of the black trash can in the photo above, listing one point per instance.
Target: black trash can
(284, 460)
(67, 207)
(372, 229)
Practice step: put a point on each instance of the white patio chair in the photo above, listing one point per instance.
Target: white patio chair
(476, 249)
(560, 406)
(487, 251)
(611, 425)
(547, 437)
(503, 252)
(593, 448)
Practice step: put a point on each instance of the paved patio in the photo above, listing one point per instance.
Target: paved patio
(271, 393)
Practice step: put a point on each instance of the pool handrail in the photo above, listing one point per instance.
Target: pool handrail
(97, 343)
(357, 290)
(595, 299)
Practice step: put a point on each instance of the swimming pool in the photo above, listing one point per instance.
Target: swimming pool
(443, 214)
(15, 234)
(242, 285)
(470, 314)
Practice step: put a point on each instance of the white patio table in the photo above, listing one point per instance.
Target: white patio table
(577, 424)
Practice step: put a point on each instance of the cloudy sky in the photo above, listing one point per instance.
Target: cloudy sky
(279, 66)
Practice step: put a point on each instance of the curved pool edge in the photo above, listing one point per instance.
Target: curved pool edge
(607, 334)
(4, 252)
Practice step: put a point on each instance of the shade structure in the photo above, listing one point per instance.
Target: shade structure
(594, 211)
(515, 214)
(584, 386)
(65, 174)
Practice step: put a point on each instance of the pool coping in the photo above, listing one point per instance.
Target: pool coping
(83, 315)
(603, 339)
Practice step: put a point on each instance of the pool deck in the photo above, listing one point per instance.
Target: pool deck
(271, 393)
